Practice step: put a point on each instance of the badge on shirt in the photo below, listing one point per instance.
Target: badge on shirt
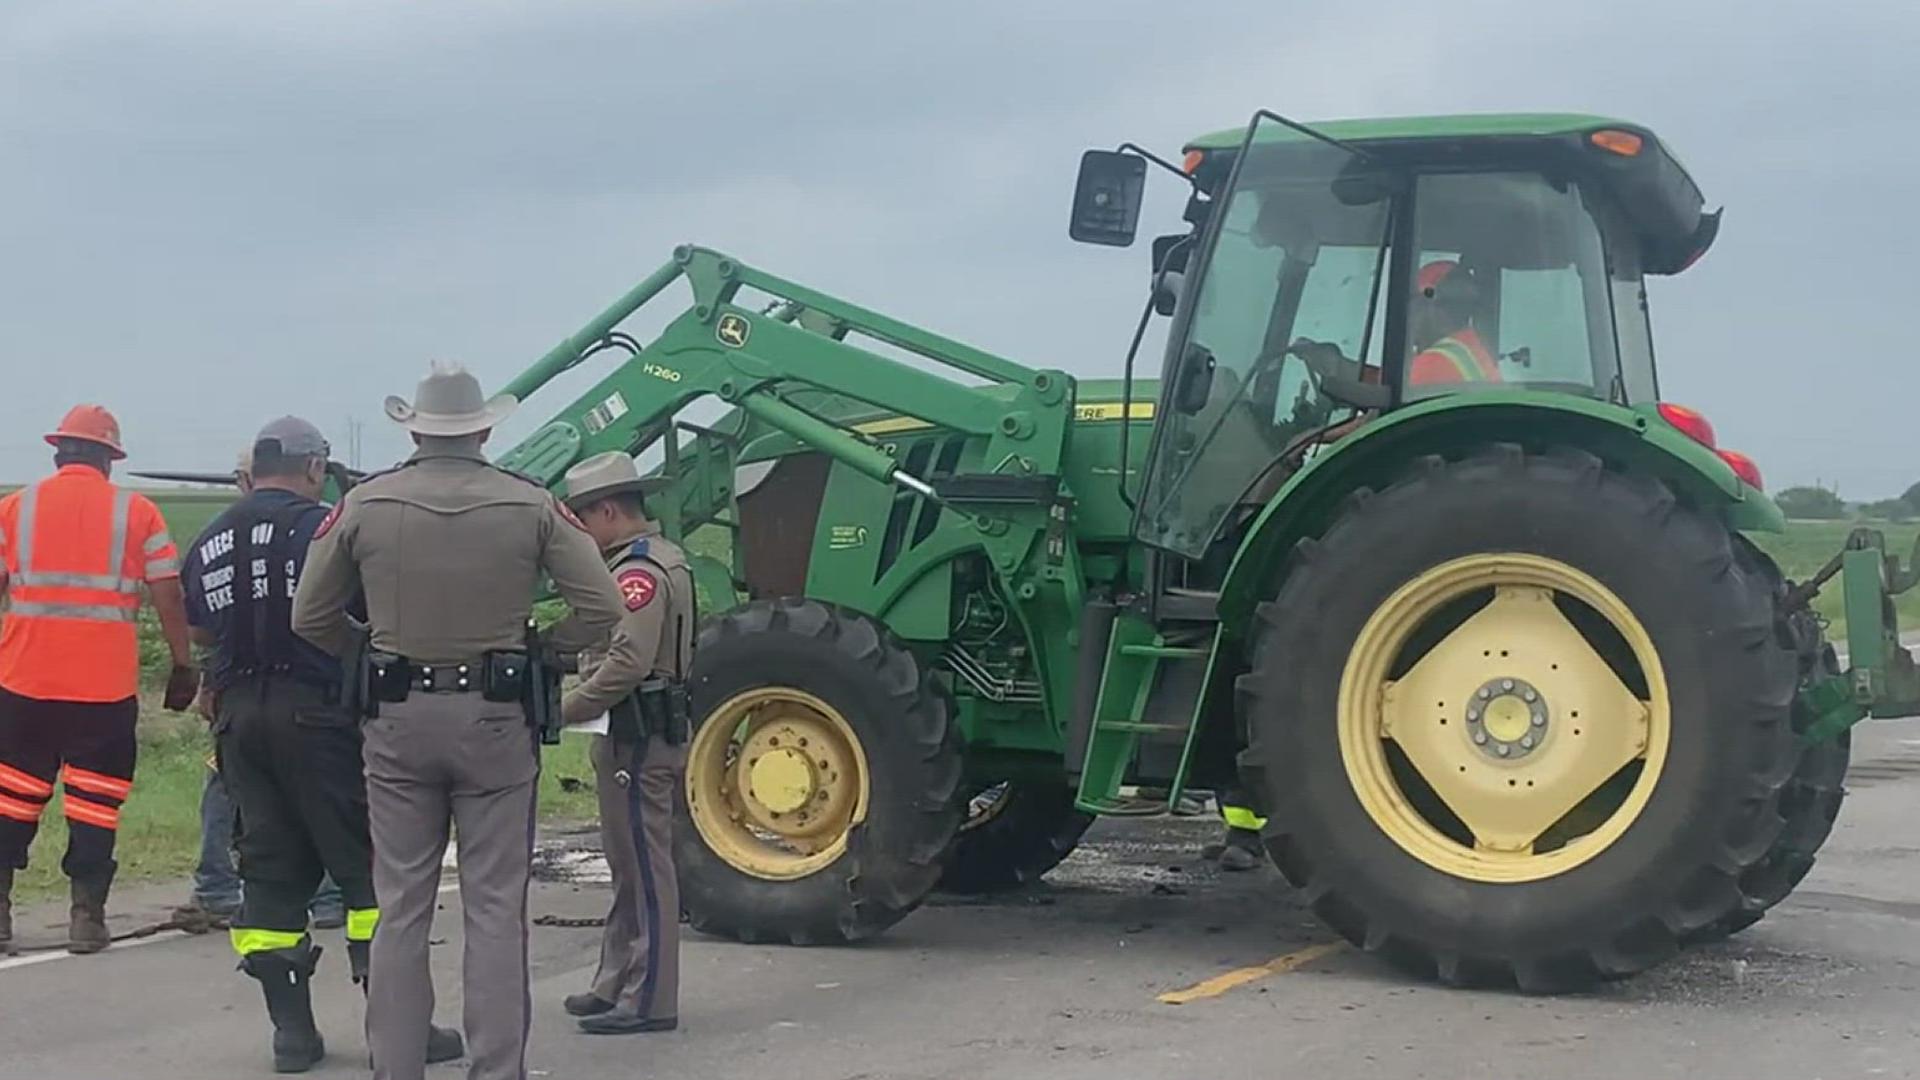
(326, 523)
(637, 588)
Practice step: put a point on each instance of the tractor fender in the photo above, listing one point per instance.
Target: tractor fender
(1453, 425)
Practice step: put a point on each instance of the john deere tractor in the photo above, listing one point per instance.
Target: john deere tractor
(1402, 540)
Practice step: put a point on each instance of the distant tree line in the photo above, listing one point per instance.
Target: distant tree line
(1820, 504)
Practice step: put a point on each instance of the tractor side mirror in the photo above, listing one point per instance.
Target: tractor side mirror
(1106, 198)
(1195, 381)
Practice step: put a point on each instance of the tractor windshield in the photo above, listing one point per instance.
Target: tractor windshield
(1298, 255)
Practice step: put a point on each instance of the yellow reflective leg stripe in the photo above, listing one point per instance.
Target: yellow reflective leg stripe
(360, 923)
(246, 942)
(1239, 817)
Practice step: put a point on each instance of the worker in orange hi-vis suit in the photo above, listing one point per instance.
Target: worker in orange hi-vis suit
(75, 550)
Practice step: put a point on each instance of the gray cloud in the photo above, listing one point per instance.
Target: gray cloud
(216, 212)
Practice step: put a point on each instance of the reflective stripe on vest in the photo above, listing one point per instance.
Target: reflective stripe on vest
(1465, 363)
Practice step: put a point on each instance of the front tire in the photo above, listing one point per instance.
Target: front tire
(822, 777)
(1486, 641)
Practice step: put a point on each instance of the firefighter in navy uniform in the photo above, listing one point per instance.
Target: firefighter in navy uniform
(288, 750)
(637, 677)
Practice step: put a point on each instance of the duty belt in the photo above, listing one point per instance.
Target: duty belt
(446, 678)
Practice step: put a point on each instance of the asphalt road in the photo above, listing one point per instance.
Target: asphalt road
(1066, 982)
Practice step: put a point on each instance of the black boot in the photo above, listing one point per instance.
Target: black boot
(284, 976)
(443, 1044)
(587, 1004)
(6, 910)
(87, 926)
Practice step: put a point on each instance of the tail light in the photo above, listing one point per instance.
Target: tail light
(1744, 468)
(1691, 424)
(1696, 427)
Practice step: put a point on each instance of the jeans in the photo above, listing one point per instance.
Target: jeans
(216, 884)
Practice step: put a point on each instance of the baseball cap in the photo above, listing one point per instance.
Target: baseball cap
(291, 436)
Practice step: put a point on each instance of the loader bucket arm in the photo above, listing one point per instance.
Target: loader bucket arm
(764, 361)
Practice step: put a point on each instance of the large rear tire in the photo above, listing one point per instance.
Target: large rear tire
(1015, 832)
(1519, 719)
(823, 777)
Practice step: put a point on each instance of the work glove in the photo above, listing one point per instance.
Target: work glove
(183, 685)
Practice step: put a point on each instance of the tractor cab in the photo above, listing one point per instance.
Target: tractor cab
(1339, 272)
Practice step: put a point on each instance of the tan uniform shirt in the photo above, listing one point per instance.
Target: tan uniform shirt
(449, 550)
(654, 637)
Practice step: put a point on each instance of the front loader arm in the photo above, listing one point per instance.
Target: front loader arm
(749, 359)
(1010, 507)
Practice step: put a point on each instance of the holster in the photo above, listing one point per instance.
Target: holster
(541, 697)
(355, 693)
(665, 712)
(389, 679)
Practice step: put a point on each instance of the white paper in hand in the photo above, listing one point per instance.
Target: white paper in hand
(595, 726)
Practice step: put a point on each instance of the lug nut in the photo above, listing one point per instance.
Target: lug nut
(1473, 715)
(1502, 750)
(1506, 684)
(1485, 693)
(1526, 741)
(1539, 719)
(1531, 697)
(1480, 738)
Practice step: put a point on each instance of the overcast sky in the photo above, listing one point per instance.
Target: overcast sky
(214, 213)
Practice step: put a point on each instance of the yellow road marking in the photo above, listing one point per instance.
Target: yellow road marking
(1226, 981)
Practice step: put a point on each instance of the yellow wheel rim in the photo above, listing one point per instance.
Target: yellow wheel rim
(1504, 747)
(776, 781)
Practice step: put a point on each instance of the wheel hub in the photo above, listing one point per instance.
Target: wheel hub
(1507, 719)
(783, 780)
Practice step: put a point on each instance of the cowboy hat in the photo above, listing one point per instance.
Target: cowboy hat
(448, 403)
(607, 474)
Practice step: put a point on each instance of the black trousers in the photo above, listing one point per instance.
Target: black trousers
(86, 747)
(291, 760)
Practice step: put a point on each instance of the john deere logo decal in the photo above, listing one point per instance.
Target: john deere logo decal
(732, 330)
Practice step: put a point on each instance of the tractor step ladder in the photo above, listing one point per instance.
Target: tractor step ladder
(1143, 693)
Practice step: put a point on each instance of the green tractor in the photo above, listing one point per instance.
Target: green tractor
(1402, 542)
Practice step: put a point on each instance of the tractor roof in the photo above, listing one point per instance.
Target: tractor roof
(1396, 128)
(1630, 162)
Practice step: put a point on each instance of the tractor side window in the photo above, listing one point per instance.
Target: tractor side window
(1294, 262)
(1511, 288)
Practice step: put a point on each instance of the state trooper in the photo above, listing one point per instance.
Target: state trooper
(643, 757)
(288, 751)
(448, 550)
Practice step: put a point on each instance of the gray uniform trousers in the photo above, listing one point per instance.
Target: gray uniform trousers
(640, 951)
(431, 760)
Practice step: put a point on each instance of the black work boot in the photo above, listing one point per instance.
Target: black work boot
(1241, 850)
(443, 1044)
(6, 910)
(587, 1004)
(87, 926)
(284, 976)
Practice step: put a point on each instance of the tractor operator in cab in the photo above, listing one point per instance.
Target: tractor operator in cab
(1450, 349)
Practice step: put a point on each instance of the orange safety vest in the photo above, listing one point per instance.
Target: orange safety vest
(1460, 357)
(76, 550)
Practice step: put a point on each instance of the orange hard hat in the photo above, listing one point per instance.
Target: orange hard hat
(90, 423)
(1432, 274)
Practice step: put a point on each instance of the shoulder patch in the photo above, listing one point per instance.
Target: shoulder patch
(326, 523)
(567, 513)
(637, 587)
